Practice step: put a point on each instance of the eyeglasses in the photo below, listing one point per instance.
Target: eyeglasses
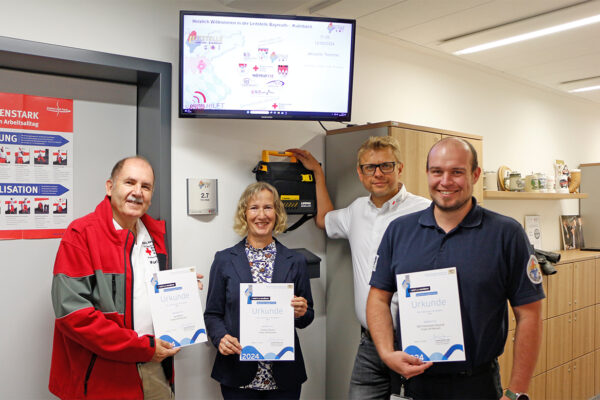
(385, 167)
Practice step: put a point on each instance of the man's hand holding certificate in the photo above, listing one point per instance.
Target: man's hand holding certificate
(176, 308)
(267, 322)
(430, 318)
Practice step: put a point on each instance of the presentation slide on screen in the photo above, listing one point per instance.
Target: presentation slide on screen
(277, 65)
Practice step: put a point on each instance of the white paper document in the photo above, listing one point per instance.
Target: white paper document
(267, 321)
(430, 319)
(534, 230)
(177, 313)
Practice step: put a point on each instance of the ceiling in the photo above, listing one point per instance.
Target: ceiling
(562, 61)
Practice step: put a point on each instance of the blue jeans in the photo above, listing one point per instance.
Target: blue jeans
(371, 378)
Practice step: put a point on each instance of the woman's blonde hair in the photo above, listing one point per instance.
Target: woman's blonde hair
(240, 225)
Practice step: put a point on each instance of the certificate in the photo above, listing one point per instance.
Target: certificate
(430, 319)
(266, 321)
(175, 305)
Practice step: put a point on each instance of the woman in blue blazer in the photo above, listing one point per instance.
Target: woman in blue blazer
(258, 258)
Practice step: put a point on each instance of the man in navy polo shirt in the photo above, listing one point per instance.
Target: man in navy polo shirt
(494, 262)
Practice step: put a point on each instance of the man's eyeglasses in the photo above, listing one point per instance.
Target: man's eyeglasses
(369, 169)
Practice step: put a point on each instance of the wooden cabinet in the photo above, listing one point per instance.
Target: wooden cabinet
(415, 142)
(537, 387)
(574, 380)
(569, 363)
(597, 371)
(597, 327)
(582, 384)
(597, 279)
(568, 366)
(545, 300)
(584, 284)
(583, 326)
(542, 362)
(559, 341)
(512, 321)
(558, 383)
(560, 291)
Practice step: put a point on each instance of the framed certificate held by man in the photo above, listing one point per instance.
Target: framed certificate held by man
(267, 322)
(430, 318)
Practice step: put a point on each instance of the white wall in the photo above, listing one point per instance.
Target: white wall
(523, 127)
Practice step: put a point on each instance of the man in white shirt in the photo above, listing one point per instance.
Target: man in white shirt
(363, 224)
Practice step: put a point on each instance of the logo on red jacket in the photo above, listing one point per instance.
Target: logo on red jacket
(149, 251)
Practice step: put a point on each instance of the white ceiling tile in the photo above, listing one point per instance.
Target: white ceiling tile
(413, 12)
(488, 14)
(355, 9)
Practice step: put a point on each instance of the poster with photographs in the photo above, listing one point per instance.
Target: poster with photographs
(571, 231)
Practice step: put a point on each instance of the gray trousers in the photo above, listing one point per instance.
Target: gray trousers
(371, 378)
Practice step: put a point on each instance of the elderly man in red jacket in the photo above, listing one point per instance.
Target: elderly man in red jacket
(104, 345)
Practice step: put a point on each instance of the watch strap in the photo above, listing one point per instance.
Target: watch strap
(510, 394)
(516, 396)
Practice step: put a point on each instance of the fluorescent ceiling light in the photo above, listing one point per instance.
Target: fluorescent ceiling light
(585, 89)
(530, 35)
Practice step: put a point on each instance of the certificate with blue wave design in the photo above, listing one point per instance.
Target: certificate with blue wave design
(429, 315)
(177, 313)
(267, 322)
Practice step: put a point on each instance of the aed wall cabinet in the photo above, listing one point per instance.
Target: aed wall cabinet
(341, 146)
(568, 367)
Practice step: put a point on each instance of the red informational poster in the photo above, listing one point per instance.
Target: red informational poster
(36, 166)
(18, 111)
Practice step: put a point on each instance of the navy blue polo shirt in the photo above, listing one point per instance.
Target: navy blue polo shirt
(490, 252)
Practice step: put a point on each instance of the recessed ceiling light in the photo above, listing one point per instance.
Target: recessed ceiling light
(530, 35)
(585, 89)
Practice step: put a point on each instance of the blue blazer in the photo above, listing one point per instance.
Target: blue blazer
(230, 268)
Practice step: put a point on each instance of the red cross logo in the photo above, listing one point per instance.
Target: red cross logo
(148, 251)
(274, 105)
(255, 68)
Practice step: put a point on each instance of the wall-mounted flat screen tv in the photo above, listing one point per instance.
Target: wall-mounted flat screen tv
(265, 66)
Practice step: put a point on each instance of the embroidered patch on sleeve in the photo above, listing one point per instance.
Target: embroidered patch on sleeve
(533, 270)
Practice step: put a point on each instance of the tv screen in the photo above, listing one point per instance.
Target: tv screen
(265, 66)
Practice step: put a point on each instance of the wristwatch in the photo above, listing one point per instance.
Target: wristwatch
(516, 396)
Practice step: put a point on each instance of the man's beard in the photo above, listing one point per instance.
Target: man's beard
(453, 207)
